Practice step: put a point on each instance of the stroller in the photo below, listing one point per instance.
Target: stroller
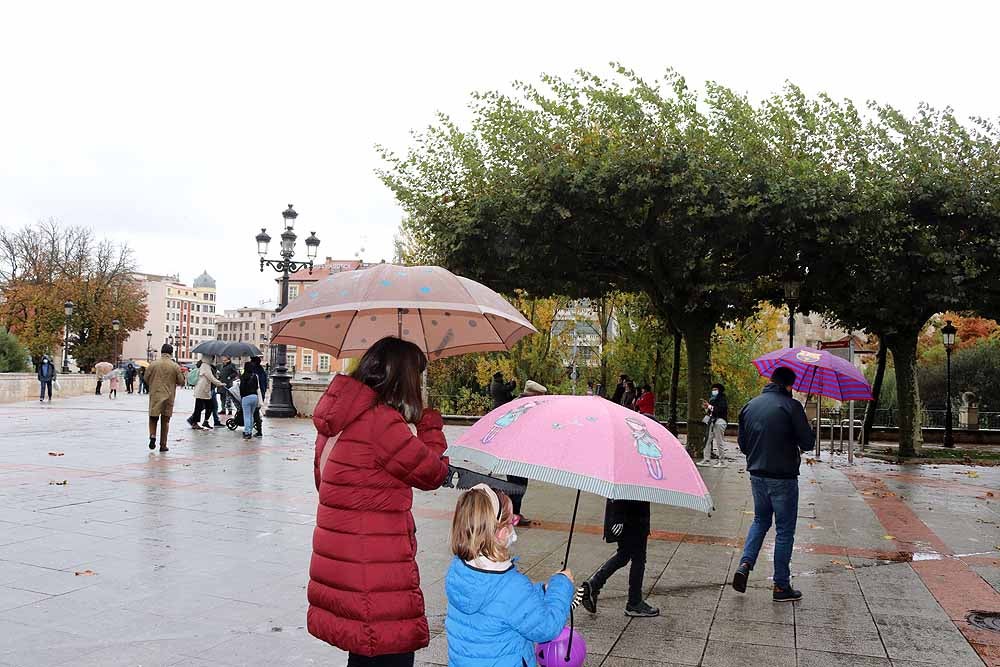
(236, 421)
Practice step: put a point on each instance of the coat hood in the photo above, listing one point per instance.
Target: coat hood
(470, 589)
(347, 399)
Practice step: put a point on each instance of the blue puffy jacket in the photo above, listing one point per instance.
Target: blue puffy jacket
(495, 618)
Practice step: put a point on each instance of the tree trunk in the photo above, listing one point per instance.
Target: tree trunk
(866, 432)
(675, 380)
(698, 336)
(904, 357)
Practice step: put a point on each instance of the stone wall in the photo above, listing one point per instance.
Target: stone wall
(306, 394)
(15, 387)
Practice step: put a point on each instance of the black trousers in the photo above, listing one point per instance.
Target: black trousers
(393, 660)
(128, 384)
(200, 404)
(516, 500)
(97, 392)
(631, 548)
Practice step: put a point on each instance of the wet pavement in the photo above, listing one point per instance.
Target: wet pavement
(112, 555)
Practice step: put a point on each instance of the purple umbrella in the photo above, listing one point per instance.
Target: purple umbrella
(818, 372)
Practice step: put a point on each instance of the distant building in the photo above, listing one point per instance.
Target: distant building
(251, 324)
(577, 328)
(181, 315)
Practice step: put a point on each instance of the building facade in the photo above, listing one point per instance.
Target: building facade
(251, 324)
(181, 315)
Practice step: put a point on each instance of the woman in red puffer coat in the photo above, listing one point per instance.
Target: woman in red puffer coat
(364, 588)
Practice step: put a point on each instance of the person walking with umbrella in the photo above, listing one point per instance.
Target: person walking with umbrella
(376, 442)
(229, 374)
(774, 431)
(163, 377)
(717, 419)
(46, 375)
(203, 396)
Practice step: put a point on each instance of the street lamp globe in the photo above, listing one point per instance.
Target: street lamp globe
(289, 214)
(262, 240)
(792, 290)
(288, 242)
(948, 335)
(116, 325)
(312, 245)
(68, 308)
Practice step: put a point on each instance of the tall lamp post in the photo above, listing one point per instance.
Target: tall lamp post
(280, 404)
(68, 309)
(149, 345)
(116, 325)
(792, 289)
(948, 338)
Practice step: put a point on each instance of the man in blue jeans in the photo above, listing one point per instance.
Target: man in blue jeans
(774, 431)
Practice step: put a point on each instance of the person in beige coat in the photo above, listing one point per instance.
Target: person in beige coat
(203, 396)
(162, 378)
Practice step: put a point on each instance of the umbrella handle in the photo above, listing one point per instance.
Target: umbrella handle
(569, 544)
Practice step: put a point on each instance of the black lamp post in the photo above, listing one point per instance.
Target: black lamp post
(792, 289)
(116, 325)
(68, 309)
(280, 404)
(948, 338)
(149, 345)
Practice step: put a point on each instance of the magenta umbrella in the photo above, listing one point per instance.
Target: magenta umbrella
(444, 314)
(818, 372)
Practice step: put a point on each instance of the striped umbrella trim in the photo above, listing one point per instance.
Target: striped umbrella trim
(572, 480)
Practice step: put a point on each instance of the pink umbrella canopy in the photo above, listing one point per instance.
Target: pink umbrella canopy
(586, 443)
(818, 372)
(445, 314)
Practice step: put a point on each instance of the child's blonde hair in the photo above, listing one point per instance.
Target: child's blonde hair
(475, 525)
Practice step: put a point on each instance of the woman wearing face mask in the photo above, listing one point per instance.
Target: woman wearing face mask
(46, 374)
(717, 414)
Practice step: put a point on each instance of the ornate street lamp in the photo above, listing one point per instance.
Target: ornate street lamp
(116, 325)
(948, 338)
(68, 309)
(792, 290)
(149, 345)
(280, 404)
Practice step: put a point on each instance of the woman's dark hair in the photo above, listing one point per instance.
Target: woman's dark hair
(248, 368)
(646, 388)
(392, 367)
(718, 386)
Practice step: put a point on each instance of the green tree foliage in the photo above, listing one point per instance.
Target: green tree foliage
(13, 355)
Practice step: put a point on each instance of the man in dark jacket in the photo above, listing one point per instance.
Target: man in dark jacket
(229, 374)
(46, 374)
(627, 523)
(502, 392)
(129, 377)
(620, 389)
(774, 431)
(717, 419)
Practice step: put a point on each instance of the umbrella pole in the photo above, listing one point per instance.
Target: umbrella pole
(399, 323)
(569, 544)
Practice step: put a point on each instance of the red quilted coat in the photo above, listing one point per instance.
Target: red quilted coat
(364, 588)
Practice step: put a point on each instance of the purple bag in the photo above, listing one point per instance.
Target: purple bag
(553, 653)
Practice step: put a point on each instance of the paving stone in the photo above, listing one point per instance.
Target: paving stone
(727, 654)
(642, 646)
(823, 659)
(840, 640)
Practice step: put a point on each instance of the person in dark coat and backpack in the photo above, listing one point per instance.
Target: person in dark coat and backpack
(46, 375)
(627, 523)
(375, 444)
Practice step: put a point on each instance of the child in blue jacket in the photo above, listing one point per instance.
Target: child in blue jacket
(495, 614)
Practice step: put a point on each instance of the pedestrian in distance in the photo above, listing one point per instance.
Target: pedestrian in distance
(249, 397)
(229, 374)
(163, 377)
(616, 397)
(531, 388)
(143, 383)
(627, 523)
(716, 420)
(774, 431)
(130, 378)
(496, 614)
(590, 388)
(375, 443)
(629, 396)
(216, 392)
(258, 422)
(500, 391)
(113, 382)
(646, 403)
(203, 396)
(100, 382)
(46, 376)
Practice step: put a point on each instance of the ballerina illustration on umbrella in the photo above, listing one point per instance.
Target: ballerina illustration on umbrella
(647, 446)
(507, 419)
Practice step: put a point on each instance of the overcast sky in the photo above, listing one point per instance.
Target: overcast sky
(182, 128)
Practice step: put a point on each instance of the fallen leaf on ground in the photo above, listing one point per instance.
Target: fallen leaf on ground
(746, 512)
(58, 483)
(848, 567)
(85, 573)
(812, 481)
(972, 473)
(888, 537)
(291, 458)
(989, 494)
(56, 454)
(838, 562)
(810, 462)
(815, 527)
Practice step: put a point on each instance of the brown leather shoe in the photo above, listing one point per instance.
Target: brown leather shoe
(164, 449)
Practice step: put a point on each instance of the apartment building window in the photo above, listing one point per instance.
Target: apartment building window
(307, 360)
(324, 363)
(290, 360)
(293, 291)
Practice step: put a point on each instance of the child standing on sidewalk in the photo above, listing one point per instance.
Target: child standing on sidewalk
(113, 384)
(627, 523)
(495, 614)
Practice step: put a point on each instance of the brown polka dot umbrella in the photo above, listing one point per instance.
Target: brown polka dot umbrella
(445, 314)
